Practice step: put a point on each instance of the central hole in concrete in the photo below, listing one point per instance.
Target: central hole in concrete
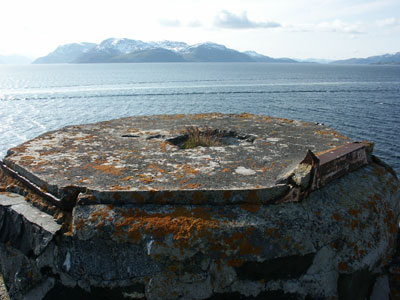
(208, 137)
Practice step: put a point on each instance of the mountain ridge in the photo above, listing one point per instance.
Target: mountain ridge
(125, 50)
(385, 59)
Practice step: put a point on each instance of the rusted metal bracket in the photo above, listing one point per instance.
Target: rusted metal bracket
(323, 168)
(36, 189)
(339, 161)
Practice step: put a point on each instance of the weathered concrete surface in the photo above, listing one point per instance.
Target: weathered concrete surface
(133, 160)
(195, 242)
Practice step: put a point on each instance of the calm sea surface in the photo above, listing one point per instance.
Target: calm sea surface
(362, 102)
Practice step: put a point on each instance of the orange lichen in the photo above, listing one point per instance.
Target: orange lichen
(192, 186)
(182, 224)
(190, 170)
(41, 163)
(331, 133)
(119, 188)
(172, 117)
(102, 213)
(108, 169)
(79, 224)
(157, 168)
(82, 180)
(127, 178)
(145, 179)
(245, 116)
(27, 157)
(163, 146)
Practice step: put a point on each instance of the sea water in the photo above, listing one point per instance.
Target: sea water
(362, 102)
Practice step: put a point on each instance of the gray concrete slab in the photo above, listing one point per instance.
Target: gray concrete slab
(139, 159)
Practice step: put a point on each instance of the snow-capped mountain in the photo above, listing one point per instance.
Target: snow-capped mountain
(212, 52)
(171, 45)
(128, 50)
(206, 45)
(65, 53)
(123, 45)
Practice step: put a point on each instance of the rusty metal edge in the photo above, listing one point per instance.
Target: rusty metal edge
(45, 195)
(321, 161)
(318, 162)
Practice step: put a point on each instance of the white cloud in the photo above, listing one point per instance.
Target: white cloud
(225, 19)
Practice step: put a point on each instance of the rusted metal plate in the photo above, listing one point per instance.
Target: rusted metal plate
(323, 168)
(339, 161)
(341, 151)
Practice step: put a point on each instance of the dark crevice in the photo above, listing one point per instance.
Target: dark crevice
(267, 295)
(130, 135)
(223, 137)
(157, 136)
(356, 286)
(61, 292)
(279, 268)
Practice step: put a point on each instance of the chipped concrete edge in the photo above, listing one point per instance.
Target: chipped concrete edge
(312, 173)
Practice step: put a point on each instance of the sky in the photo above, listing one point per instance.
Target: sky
(330, 29)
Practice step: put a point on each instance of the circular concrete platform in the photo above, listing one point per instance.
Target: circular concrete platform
(136, 159)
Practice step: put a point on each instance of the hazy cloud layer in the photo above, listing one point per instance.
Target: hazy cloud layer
(225, 19)
(335, 26)
(170, 22)
(194, 23)
(389, 22)
(178, 23)
(339, 26)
